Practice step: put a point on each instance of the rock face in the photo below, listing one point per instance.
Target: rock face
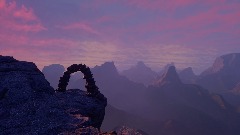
(29, 105)
(140, 74)
(223, 75)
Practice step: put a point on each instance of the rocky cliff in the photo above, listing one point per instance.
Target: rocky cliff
(223, 75)
(29, 105)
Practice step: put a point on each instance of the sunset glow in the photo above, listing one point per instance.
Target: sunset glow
(186, 32)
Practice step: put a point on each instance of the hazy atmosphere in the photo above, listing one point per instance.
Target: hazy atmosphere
(157, 32)
(120, 67)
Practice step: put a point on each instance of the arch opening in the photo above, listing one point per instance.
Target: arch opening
(91, 87)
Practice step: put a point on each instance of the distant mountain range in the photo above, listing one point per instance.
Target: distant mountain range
(223, 75)
(140, 74)
(173, 102)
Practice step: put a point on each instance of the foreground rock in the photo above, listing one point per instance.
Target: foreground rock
(29, 105)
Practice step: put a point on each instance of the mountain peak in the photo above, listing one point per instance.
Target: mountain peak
(140, 64)
(187, 76)
(54, 68)
(187, 72)
(170, 77)
(107, 67)
(225, 62)
(140, 73)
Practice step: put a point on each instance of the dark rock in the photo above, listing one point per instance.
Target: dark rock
(29, 105)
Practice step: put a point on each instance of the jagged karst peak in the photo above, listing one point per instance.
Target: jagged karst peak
(225, 62)
(140, 73)
(187, 76)
(165, 68)
(168, 65)
(54, 68)
(188, 71)
(169, 77)
(140, 64)
(108, 67)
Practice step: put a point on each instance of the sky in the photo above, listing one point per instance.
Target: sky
(190, 33)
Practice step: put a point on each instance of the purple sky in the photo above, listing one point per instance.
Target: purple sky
(186, 32)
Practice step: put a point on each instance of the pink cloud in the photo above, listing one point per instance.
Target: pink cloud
(79, 26)
(169, 4)
(25, 14)
(195, 27)
(18, 19)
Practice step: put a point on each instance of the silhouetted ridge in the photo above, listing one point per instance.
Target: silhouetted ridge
(187, 71)
(165, 68)
(223, 75)
(107, 67)
(140, 64)
(187, 76)
(169, 77)
(140, 73)
(224, 63)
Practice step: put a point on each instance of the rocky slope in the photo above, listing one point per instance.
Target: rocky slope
(29, 105)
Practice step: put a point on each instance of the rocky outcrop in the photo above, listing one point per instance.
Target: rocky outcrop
(92, 89)
(29, 105)
(90, 109)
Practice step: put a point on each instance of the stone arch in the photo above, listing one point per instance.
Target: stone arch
(91, 87)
